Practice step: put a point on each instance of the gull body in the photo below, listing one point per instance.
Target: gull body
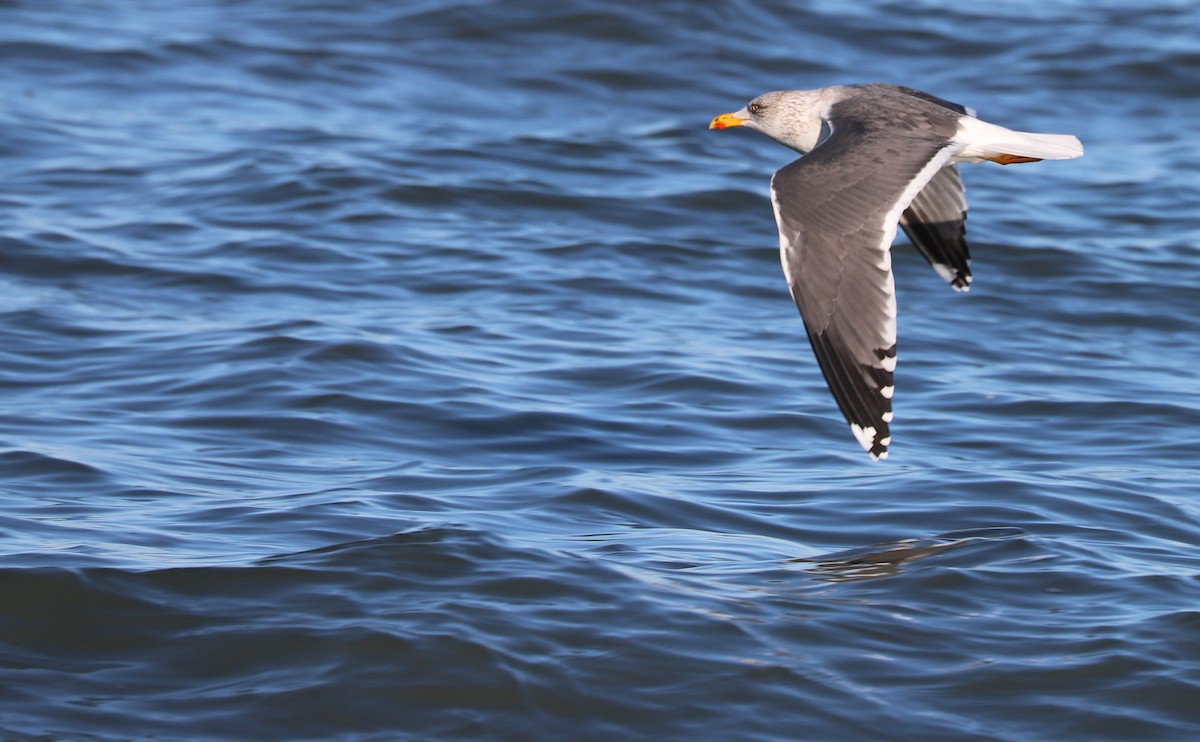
(876, 157)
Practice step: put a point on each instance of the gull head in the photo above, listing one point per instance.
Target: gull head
(791, 117)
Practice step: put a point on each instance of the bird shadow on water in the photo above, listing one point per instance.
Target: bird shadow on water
(890, 559)
(732, 559)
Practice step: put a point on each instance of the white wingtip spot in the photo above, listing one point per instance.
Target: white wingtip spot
(947, 273)
(888, 363)
(886, 392)
(887, 416)
(865, 436)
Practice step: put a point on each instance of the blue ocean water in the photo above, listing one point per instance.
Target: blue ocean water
(425, 371)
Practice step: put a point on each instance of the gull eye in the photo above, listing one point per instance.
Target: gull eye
(755, 108)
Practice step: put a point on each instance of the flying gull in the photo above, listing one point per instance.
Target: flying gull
(875, 156)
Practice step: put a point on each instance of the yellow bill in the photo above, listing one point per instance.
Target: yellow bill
(726, 120)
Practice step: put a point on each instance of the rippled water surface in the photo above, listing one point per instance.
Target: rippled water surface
(425, 370)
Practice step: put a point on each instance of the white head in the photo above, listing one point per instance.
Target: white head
(791, 117)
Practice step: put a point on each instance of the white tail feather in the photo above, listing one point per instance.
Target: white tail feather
(984, 141)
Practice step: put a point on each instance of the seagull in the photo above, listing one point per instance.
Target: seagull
(875, 156)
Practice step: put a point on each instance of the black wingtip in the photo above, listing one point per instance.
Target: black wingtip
(874, 439)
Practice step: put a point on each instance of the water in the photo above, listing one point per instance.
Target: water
(425, 370)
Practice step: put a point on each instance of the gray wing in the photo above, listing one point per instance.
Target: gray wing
(936, 222)
(837, 209)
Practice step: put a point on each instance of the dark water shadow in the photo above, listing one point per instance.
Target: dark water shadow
(890, 559)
